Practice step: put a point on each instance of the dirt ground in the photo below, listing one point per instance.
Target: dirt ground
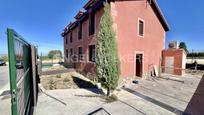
(70, 80)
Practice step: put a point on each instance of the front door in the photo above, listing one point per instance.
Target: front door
(139, 65)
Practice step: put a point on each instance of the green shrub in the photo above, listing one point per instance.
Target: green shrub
(66, 80)
(68, 65)
(52, 84)
(58, 76)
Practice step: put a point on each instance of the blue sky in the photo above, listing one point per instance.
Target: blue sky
(41, 21)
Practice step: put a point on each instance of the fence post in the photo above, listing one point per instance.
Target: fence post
(12, 71)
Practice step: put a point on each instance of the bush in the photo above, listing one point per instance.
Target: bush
(52, 84)
(58, 76)
(66, 80)
(4, 58)
(68, 65)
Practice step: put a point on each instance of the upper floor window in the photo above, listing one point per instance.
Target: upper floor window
(66, 40)
(141, 28)
(67, 53)
(80, 53)
(92, 53)
(71, 54)
(80, 31)
(92, 23)
(71, 37)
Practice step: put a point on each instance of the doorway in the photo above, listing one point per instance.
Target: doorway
(139, 65)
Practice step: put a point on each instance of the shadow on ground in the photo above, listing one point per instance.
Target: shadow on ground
(86, 85)
(196, 104)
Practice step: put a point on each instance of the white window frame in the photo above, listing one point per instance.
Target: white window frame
(138, 26)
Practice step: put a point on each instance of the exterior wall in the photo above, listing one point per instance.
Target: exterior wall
(179, 60)
(125, 17)
(84, 66)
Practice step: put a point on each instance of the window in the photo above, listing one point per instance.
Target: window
(67, 53)
(80, 53)
(92, 53)
(141, 28)
(66, 40)
(71, 52)
(71, 37)
(80, 31)
(92, 23)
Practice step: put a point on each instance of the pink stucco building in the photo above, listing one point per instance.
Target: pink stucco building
(140, 29)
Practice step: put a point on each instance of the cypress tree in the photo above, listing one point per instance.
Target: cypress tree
(107, 61)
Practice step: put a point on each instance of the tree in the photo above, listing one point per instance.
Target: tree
(182, 45)
(4, 58)
(55, 54)
(107, 61)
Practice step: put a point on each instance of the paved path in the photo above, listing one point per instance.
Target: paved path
(85, 102)
(4, 76)
(171, 94)
(5, 101)
(160, 97)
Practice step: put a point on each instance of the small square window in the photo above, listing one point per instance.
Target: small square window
(141, 28)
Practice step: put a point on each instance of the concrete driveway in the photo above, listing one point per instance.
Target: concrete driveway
(175, 94)
(171, 96)
(5, 101)
(4, 76)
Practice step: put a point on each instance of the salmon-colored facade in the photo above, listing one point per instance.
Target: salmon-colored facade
(140, 33)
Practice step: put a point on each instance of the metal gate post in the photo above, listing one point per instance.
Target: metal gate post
(12, 71)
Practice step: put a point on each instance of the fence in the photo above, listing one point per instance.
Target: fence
(23, 74)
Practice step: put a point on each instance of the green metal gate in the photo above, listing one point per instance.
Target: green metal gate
(20, 69)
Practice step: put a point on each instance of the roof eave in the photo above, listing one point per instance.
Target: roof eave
(88, 4)
(166, 25)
